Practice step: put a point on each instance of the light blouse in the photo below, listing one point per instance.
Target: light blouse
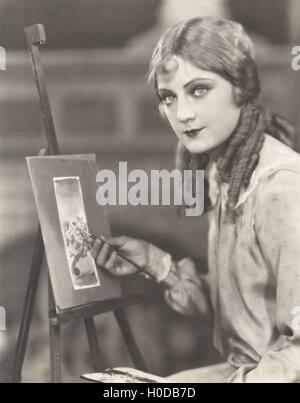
(252, 291)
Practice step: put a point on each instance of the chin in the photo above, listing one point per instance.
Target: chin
(197, 148)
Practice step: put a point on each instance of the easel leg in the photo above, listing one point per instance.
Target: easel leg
(93, 343)
(33, 280)
(131, 344)
(55, 341)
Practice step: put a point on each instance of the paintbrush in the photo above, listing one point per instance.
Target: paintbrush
(94, 237)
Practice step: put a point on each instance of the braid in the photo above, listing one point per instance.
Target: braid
(243, 127)
(247, 155)
(241, 154)
(252, 163)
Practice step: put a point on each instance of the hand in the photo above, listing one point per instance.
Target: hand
(105, 253)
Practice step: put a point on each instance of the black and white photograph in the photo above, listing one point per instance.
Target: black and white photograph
(150, 193)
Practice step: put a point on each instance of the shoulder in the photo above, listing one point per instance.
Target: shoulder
(276, 154)
(278, 170)
(276, 213)
(279, 192)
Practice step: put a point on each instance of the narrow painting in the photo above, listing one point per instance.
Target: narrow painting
(74, 227)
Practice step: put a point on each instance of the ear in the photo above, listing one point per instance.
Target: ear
(238, 96)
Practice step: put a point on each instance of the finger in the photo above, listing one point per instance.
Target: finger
(123, 267)
(111, 261)
(89, 242)
(103, 255)
(120, 269)
(104, 240)
(118, 242)
(96, 248)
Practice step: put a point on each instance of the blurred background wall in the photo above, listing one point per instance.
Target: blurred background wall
(96, 60)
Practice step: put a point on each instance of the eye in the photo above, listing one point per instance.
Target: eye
(168, 99)
(199, 91)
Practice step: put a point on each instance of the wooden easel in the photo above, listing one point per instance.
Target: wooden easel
(36, 36)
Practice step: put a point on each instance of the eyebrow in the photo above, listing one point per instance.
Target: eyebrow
(194, 80)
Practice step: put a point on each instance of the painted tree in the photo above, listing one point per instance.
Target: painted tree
(77, 240)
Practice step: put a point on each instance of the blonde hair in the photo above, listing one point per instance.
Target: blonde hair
(212, 44)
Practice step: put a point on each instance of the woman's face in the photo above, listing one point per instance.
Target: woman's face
(198, 104)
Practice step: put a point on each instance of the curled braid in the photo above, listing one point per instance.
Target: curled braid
(241, 154)
(244, 126)
(246, 156)
(242, 151)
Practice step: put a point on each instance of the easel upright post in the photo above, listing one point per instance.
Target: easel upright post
(35, 36)
(55, 340)
(33, 280)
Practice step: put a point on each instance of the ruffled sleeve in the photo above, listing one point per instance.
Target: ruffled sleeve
(186, 291)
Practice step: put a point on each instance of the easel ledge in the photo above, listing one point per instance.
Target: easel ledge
(60, 317)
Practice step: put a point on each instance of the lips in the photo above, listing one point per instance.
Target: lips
(193, 132)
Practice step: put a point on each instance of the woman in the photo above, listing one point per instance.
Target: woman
(204, 73)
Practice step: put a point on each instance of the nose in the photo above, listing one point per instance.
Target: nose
(185, 111)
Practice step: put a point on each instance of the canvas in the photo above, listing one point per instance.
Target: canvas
(64, 188)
